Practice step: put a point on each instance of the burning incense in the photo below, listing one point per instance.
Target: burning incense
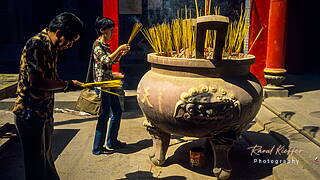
(151, 34)
(136, 28)
(177, 34)
(197, 8)
(235, 36)
(160, 37)
(255, 40)
(217, 10)
(178, 37)
(207, 7)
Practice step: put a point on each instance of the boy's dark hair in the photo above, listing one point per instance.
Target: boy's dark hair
(69, 24)
(103, 23)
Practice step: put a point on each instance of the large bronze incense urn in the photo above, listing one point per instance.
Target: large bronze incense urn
(213, 99)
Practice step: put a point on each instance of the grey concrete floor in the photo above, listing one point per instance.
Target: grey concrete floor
(73, 158)
(74, 137)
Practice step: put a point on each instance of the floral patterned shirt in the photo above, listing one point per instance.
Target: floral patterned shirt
(102, 62)
(39, 56)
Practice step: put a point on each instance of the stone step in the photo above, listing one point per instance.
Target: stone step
(303, 149)
(8, 85)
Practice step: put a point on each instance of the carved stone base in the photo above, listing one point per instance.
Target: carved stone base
(274, 78)
(274, 81)
(160, 140)
(274, 88)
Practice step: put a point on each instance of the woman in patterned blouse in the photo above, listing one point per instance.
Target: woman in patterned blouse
(103, 59)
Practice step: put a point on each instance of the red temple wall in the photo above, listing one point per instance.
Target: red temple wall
(111, 10)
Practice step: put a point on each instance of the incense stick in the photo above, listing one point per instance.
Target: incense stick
(255, 40)
(110, 84)
(110, 92)
(235, 36)
(197, 9)
(136, 28)
(179, 35)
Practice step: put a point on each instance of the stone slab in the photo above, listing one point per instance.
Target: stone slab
(304, 150)
(298, 113)
(74, 136)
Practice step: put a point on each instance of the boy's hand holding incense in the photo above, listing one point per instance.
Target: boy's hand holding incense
(121, 50)
(124, 48)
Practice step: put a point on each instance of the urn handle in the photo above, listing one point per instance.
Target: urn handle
(212, 22)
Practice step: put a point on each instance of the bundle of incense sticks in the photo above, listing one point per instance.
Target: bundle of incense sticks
(136, 28)
(105, 84)
(237, 31)
(160, 38)
(177, 39)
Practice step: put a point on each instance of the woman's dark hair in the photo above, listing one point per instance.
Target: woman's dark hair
(103, 23)
(69, 24)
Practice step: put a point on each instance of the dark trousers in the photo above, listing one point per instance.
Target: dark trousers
(36, 138)
(108, 101)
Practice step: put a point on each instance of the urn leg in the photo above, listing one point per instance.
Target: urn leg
(221, 168)
(160, 146)
(221, 145)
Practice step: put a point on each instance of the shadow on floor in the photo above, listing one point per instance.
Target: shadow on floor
(11, 160)
(132, 109)
(135, 147)
(140, 175)
(132, 114)
(11, 155)
(75, 121)
(245, 164)
(302, 82)
(61, 138)
(311, 130)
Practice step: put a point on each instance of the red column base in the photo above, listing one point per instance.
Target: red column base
(274, 78)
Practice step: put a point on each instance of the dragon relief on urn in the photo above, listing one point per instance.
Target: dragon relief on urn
(205, 104)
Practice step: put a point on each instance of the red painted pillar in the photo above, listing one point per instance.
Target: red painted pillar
(276, 37)
(111, 10)
(259, 19)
